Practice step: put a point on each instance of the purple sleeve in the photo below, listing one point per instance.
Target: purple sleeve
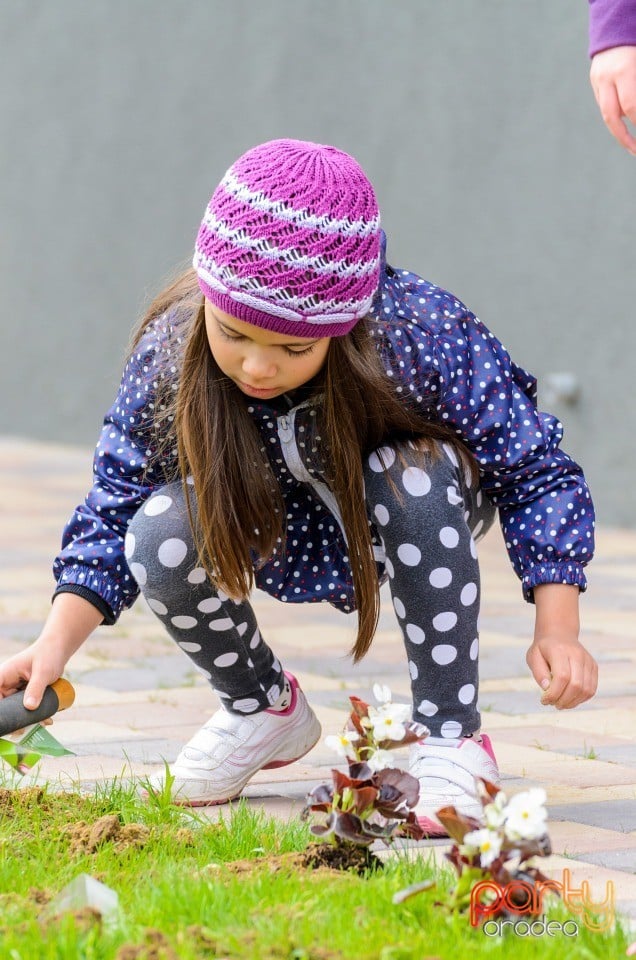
(612, 24)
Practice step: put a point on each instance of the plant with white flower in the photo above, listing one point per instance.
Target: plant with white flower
(342, 744)
(388, 721)
(374, 800)
(495, 811)
(526, 815)
(485, 843)
(498, 846)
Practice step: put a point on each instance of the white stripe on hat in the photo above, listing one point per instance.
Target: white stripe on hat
(282, 211)
(284, 305)
(240, 238)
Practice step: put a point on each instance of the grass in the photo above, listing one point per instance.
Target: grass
(193, 890)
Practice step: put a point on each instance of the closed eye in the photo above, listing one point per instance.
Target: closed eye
(300, 353)
(291, 352)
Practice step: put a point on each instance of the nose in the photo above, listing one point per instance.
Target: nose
(258, 364)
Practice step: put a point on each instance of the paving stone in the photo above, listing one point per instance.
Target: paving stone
(613, 814)
(142, 751)
(624, 753)
(613, 859)
(155, 674)
(570, 840)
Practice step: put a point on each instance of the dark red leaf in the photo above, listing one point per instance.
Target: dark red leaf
(365, 799)
(408, 786)
(349, 827)
(457, 826)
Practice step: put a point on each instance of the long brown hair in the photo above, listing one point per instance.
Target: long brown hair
(239, 505)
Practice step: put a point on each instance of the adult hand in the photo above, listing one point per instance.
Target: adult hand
(613, 79)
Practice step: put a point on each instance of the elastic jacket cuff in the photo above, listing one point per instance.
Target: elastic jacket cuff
(87, 594)
(539, 573)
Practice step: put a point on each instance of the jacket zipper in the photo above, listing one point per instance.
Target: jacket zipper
(287, 436)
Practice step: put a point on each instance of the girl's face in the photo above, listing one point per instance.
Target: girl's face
(261, 363)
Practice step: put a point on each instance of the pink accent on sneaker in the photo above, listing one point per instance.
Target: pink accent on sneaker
(293, 682)
(486, 743)
(432, 828)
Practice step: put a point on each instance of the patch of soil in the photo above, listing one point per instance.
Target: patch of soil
(341, 856)
(89, 837)
(156, 947)
(83, 919)
(185, 837)
(319, 857)
(10, 800)
(41, 897)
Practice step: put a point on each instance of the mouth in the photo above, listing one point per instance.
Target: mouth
(257, 391)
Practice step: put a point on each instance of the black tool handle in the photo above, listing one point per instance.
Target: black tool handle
(14, 715)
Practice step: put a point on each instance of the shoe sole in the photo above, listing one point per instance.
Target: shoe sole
(431, 828)
(272, 765)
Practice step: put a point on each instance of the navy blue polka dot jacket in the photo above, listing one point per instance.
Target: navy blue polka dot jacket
(434, 349)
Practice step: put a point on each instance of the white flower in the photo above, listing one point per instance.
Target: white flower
(381, 693)
(485, 842)
(387, 721)
(342, 743)
(526, 815)
(494, 812)
(380, 760)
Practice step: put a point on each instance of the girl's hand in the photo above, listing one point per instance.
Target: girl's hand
(34, 668)
(560, 664)
(563, 669)
(70, 622)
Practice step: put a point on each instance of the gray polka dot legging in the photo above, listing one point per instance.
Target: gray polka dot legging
(427, 521)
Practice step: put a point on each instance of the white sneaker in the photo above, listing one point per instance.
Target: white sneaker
(229, 749)
(447, 770)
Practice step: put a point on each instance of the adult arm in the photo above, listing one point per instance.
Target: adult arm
(613, 69)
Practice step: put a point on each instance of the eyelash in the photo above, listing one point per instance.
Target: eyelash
(290, 353)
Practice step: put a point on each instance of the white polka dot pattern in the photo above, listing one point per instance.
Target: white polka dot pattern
(172, 552)
(440, 357)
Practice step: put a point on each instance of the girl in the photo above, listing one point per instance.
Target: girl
(298, 416)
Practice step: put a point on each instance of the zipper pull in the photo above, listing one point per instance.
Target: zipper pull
(284, 429)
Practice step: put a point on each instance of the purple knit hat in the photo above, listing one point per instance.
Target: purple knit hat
(290, 240)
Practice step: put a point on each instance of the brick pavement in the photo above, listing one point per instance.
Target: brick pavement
(138, 698)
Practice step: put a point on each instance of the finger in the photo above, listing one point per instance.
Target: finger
(612, 114)
(558, 683)
(11, 680)
(33, 693)
(573, 692)
(582, 685)
(590, 681)
(539, 667)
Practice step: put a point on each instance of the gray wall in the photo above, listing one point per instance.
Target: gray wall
(474, 118)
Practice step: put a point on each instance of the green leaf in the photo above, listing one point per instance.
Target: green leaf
(17, 757)
(39, 739)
